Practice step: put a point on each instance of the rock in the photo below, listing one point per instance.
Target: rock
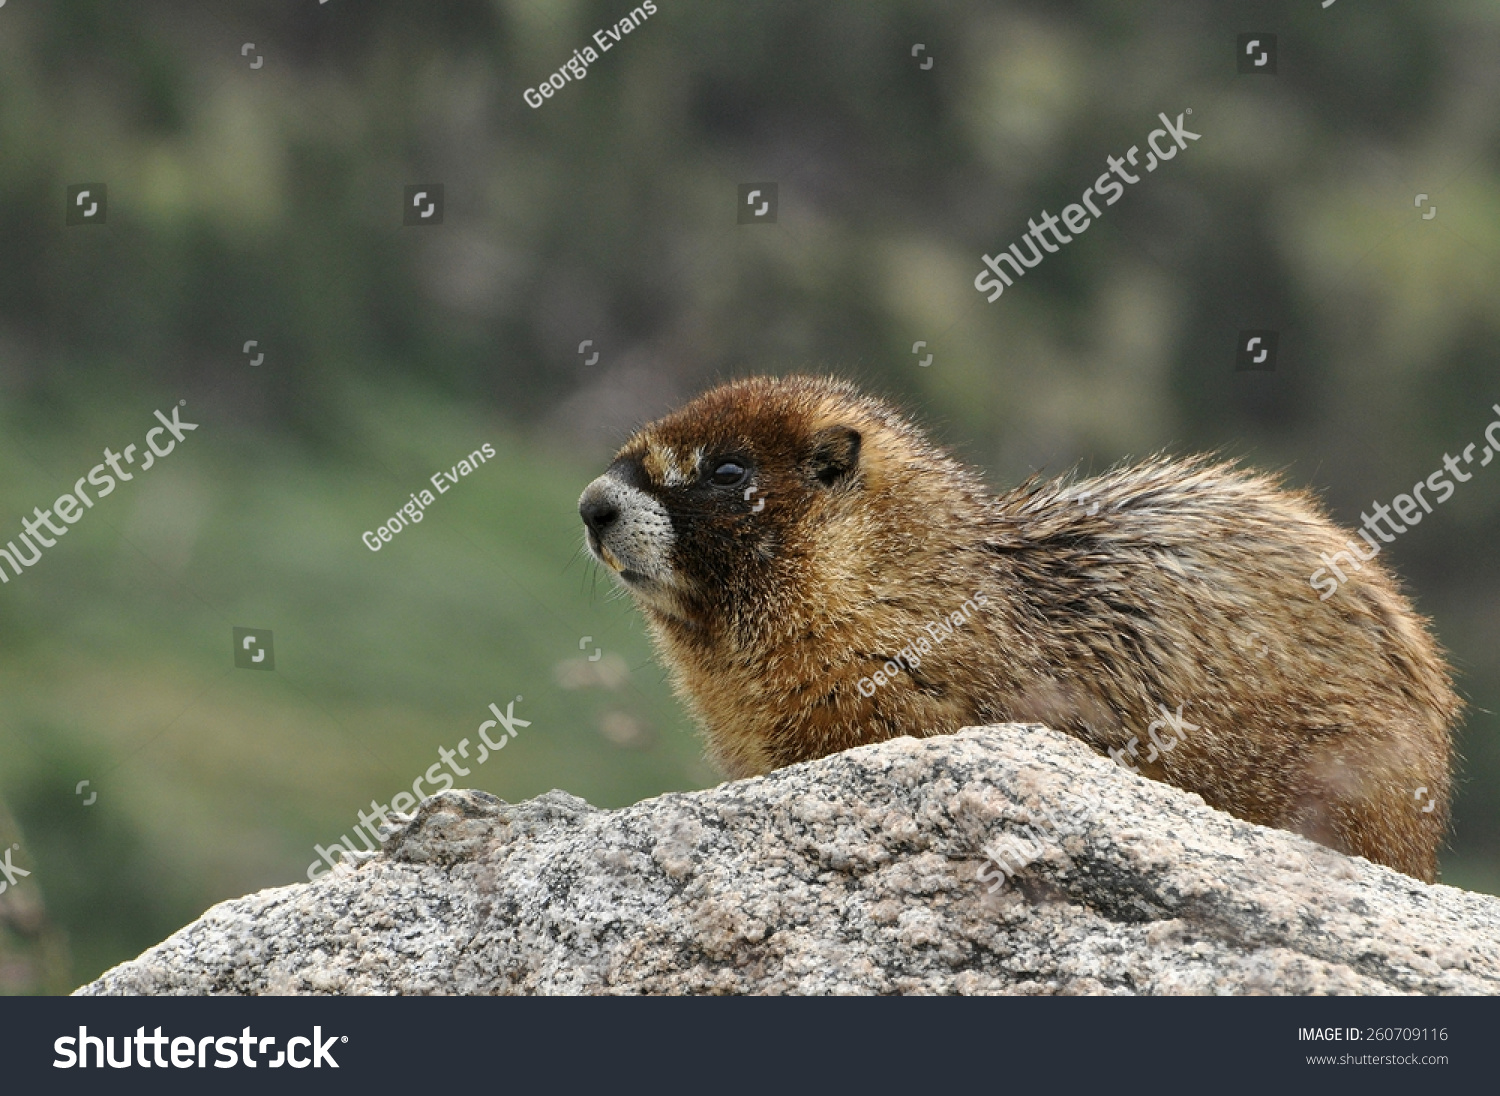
(860, 873)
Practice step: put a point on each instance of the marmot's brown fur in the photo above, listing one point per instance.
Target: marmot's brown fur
(817, 575)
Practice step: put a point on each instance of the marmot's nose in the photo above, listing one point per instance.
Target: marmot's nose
(598, 511)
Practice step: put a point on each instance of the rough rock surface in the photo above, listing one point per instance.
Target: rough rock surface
(860, 873)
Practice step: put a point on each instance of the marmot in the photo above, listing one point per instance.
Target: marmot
(817, 575)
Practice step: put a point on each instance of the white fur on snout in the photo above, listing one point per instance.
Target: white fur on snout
(641, 538)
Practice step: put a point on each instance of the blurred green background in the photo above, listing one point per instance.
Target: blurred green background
(265, 203)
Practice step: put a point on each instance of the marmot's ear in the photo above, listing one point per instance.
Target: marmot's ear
(835, 454)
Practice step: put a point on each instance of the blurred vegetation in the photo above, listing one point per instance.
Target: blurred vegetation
(265, 203)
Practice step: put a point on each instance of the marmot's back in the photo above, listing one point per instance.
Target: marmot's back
(816, 576)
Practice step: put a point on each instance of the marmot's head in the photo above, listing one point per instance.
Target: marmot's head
(757, 495)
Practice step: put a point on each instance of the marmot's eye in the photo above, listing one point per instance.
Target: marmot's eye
(729, 474)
